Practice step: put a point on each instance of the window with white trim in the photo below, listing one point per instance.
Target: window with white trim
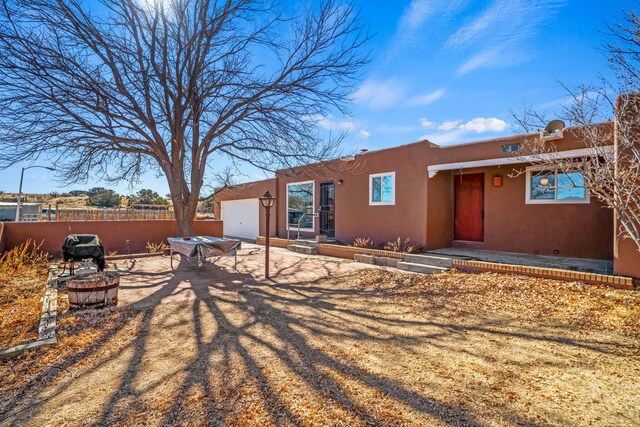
(301, 201)
(555, 186)
(382, 189)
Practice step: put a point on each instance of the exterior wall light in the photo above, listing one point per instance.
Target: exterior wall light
(497, 181)
(267, 201)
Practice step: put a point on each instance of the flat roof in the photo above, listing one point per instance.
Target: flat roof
(516, 136)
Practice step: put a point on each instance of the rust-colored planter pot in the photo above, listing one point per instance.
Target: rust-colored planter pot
(93, 290)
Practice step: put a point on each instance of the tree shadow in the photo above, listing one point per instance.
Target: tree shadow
(297, 325)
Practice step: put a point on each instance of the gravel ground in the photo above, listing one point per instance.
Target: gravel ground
(372, 347)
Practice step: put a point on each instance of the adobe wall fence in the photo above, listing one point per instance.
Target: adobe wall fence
(121, 236)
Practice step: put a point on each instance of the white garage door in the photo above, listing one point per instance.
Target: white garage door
(241, 218)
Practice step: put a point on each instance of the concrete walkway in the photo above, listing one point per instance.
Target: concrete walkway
(599, 266)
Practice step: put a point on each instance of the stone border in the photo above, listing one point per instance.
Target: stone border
(377, 260)
(48, 319)
(619, 282)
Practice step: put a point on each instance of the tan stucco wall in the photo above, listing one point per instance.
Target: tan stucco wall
(572, 230)
(354, 216)
(424, 206)
(626, 261)
(121, 236)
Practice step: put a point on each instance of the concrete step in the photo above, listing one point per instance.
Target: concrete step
(420, 268)
(306, 242)
(302, 249)
(433, 260)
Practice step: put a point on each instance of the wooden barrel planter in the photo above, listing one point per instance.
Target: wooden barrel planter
(93, 289)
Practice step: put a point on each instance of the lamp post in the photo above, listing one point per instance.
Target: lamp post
(20, 190)
(267, 201)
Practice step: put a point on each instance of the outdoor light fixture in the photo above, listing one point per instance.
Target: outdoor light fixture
(340, 182)
(267, 201)
(497, 181)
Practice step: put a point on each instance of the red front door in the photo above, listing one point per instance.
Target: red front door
(469, 206)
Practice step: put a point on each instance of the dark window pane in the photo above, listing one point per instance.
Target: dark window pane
(376, 189)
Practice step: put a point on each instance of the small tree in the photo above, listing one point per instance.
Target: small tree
(103, 197)
(172, 86)
(613, 177)
(146, 197)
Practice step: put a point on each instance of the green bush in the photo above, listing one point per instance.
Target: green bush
(103, 197)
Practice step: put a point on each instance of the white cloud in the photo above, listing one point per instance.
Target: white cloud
(363, 134)
(444, 138)
(380, 94)
(410, 29)
(482, 125)
(416, 14)
(427, 98)
(500, 56)
(328, 122)
(427, 124)
(449, 125)
(453, 131)
(498, 34)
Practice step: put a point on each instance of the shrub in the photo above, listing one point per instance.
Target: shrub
(363, 242)
(146, 197)
(405, 246)
(103, 197)
(27, 254)
(156, 247)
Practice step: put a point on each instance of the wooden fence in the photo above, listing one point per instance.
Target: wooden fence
(116, 214)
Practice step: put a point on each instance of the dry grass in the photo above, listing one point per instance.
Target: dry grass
(156, 247)
(405, 246)
(23, 274)
(369, 348)
(363, 242)
(533, 299)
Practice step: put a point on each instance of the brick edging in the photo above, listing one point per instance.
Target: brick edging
(619, 282)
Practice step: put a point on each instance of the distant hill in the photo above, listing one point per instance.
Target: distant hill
(65, 202)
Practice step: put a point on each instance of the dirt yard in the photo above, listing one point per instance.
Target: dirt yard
(364, 347)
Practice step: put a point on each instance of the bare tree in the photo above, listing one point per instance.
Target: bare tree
(611, 174)
(172, 86)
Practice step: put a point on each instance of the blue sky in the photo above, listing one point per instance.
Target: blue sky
(449, 71)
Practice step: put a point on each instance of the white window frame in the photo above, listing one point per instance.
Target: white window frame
(393, 189)
(313, 193)
(554, 201)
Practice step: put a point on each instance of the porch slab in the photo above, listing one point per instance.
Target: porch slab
(587, 265)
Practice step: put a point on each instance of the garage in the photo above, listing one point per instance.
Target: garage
(241, 218)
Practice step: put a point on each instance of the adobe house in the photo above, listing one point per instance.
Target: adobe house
(482, 195)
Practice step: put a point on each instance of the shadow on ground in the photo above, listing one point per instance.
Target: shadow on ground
(319, 351)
